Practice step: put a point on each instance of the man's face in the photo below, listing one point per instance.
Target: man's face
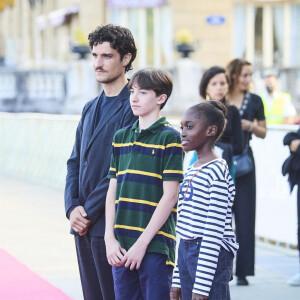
(271, 83)
(107, 64)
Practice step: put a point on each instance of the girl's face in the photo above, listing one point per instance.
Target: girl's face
(194, 132)
(217, 87)
(245, 78)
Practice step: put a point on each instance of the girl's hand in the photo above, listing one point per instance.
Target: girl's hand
(175, 293)
(114, 252)
(294, 145)
(133, 258)
(199, 297)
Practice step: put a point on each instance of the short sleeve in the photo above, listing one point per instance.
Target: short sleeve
(112, 173)
(260, 112)
(173, 158)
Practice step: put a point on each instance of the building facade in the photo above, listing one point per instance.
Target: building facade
(41, 33)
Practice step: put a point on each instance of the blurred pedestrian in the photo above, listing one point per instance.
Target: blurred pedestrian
(292, 167)
(113, 51)
(278, 106)
(214, 86)
(251, 110)
(207, 241)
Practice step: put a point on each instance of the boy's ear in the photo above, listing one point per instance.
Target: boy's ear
(212, 130)
(162, 99)
(126, 59)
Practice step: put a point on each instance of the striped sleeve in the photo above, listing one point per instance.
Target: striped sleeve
(173, 159)
(112, 173)
(176, 278)
(212, 237)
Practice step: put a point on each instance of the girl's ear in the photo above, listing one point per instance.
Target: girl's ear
(212, 130)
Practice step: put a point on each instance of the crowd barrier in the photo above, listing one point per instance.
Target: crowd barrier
(36, 147)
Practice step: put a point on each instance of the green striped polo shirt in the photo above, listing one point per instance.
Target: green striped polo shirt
(141, 161)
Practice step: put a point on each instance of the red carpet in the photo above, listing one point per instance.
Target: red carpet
(18, 282)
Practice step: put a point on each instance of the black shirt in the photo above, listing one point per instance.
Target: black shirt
(233, 133)
(252, 109)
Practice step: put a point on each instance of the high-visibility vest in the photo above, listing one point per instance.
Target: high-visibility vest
(275, 114)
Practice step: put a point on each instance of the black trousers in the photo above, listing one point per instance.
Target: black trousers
(244, 216)
(95, 272)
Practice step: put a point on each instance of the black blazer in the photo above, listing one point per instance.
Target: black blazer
(86, 181)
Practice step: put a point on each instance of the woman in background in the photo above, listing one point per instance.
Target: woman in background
(214, 86)
(252, 115)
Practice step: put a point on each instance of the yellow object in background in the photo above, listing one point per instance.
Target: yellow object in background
(81, 38)
(184, 36)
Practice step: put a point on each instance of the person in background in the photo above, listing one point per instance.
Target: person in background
(207, 242)
(292, 167)
(251, 110)
(113, 51)
(278, 106)
(214, 86)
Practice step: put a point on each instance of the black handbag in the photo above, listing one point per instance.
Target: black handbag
(243, 164)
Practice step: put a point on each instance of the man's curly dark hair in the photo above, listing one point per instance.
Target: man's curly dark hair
(120, 39)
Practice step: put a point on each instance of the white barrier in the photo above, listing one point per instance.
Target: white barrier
(37, 146)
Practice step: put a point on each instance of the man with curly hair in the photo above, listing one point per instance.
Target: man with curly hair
(113, 50)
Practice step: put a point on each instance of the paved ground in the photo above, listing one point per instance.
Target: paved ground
(33, 228)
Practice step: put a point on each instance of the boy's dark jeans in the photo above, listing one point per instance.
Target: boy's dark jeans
(151, 281)
(187, 262)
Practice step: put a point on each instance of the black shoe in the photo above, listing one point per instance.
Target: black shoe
(242, 281)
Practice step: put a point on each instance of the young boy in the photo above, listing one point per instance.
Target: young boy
(145, 171)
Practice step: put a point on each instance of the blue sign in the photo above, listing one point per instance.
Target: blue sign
(215, 20)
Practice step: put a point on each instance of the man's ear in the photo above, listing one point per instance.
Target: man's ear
(126, 59)
(212, 130)
(162, 99)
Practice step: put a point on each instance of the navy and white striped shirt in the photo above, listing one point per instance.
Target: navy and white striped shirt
(205, 211)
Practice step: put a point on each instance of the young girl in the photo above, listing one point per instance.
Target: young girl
(207, 242)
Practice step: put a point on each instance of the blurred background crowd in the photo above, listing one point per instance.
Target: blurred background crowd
(45, 59)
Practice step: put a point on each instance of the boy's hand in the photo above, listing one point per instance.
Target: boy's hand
(175, 293)
(199, 297)
(114, 252)
(133, 258)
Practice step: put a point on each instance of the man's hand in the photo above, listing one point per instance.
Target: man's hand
(133, 258)
(78, 220)
(114, 252)
(199, 297)
(175, 293)
(294, 145)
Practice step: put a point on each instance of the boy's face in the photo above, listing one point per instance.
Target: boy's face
(145, 102)
(107, 64)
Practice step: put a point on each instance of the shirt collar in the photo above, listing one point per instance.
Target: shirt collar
(154, 127)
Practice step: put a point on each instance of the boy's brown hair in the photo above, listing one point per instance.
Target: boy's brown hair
(158, 80)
